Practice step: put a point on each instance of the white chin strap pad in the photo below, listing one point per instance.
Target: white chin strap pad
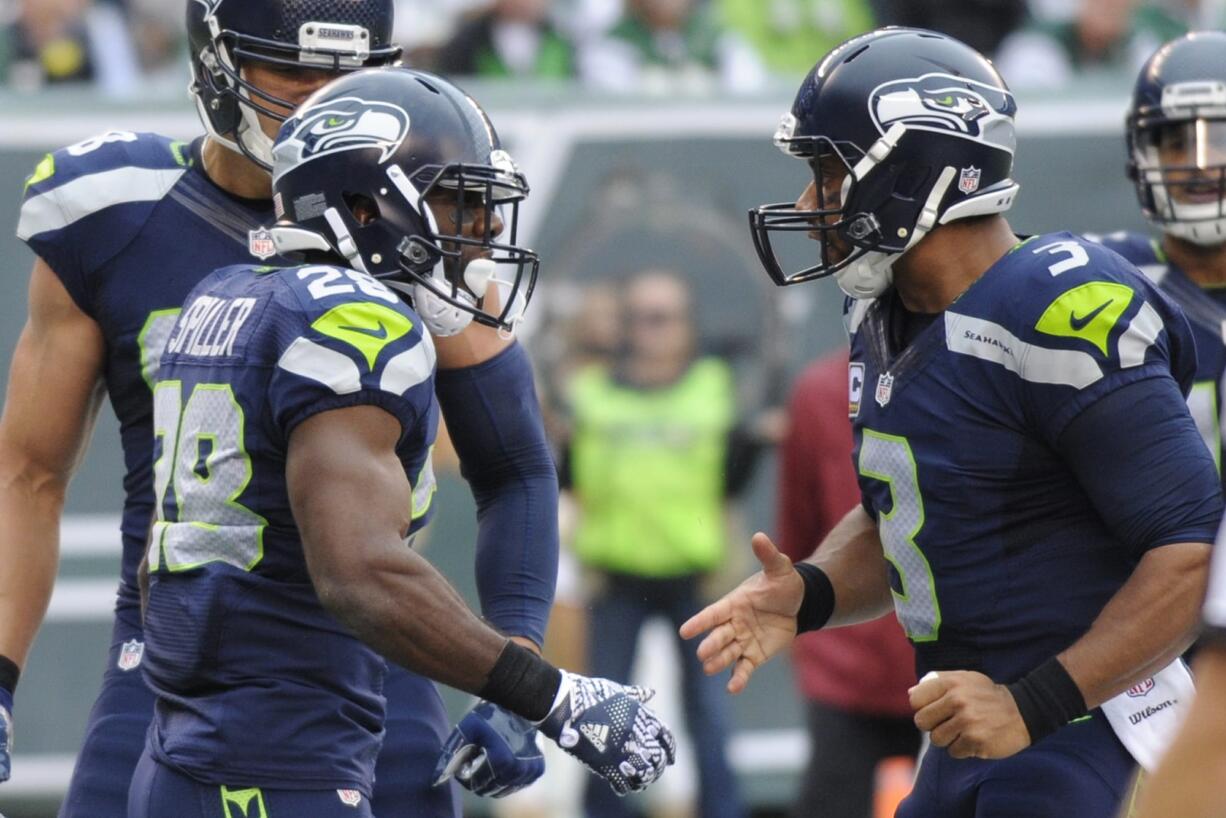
(868, 276)
(1197, 223)
(1204, 233)
(257, 143)
(441, 318)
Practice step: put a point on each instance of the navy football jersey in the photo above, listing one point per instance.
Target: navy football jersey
(102, 214)
(255, 681)
(1206, 310)
(997, 558)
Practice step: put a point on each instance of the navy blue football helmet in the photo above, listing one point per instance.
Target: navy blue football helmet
(371, 165)
(226, 35)
(919, 128)
(1176, 132)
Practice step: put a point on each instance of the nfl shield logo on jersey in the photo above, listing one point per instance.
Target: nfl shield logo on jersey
(968, 181)
(130, 655)
(350, 798)
(260, 243)
(885, 387)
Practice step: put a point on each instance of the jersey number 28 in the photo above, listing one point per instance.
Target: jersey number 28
(204, 462)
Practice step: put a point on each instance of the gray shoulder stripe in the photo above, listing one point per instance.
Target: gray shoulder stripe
(1141, 334)
(990, 341)
(69, 203)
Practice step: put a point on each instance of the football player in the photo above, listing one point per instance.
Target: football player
(1177, 160)
(1036, 500)
(124, 226)
(294, 412)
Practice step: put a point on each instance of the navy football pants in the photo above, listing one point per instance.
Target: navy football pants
(115, 738)
(160, 792)
(1081, 770)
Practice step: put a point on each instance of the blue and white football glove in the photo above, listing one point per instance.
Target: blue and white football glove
(611, 731)
(6, 734)
(491, 752)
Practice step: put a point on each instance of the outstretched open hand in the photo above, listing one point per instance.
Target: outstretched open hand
(751, 623)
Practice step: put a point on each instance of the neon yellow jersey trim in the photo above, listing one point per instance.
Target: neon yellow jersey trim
(43, 171)
(1088, 312)
(364, 325)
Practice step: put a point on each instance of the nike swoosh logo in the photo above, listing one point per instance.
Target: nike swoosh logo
(1078, 324)
(379, 334)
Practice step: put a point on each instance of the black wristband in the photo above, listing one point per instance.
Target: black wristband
(818, 604)
(522, 682)
(1048, 698)
(9, 673)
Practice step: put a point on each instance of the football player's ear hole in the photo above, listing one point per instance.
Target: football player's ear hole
(365, 210)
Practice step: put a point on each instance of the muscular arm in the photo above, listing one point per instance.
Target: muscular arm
(852, 556)
(351, 501)
(54, 391)
(1161, 497)
(1148, 622)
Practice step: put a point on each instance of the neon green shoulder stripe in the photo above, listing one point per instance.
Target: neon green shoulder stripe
(1088, 312)
(364, 325)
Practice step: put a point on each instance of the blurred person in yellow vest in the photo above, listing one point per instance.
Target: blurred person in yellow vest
(787, 33)
(654, 452)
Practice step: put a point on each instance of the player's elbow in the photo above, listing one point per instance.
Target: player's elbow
(28, 478)
(348, 593)
(1182, 569)
(358, 587)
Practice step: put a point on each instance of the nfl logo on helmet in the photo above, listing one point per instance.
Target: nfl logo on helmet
(968, 180)
(130, 655)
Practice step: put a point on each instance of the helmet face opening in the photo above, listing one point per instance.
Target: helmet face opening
(1180, 172)
(825, 222)
(226, 38)
(460, 258)
(399, 174)
(1176, 135)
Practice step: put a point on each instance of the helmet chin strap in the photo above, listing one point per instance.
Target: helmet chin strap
(345, 244)
(868, 276)
(873, 272)
(1192, 222)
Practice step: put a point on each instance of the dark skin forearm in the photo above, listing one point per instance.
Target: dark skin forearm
(851, 555)
(351, 502)
(410, 614)
(1149, 621)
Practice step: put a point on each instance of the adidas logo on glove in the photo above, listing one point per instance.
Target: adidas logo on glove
(597, 734)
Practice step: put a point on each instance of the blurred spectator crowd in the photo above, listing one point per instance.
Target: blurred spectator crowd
(124, 47)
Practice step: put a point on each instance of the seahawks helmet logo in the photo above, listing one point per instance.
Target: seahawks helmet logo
(338, 125)
(945, 104)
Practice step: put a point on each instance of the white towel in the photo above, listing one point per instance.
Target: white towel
(1146, 716)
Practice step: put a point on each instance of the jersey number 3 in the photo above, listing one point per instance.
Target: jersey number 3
(204, 462)
(888, 458)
